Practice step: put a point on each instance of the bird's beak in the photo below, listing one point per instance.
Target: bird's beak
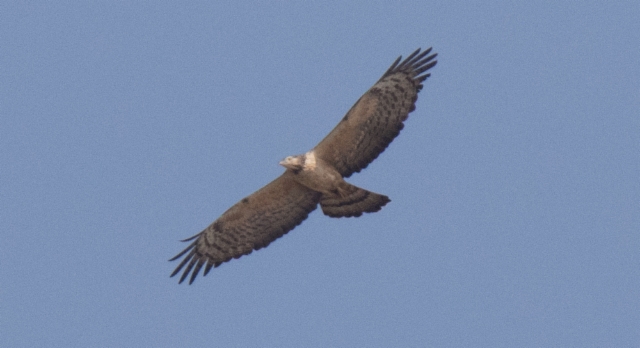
(290, 164)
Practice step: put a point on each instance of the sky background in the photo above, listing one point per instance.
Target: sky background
(515, 185)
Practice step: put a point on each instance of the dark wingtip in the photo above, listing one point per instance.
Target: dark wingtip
(207, 268)
(196, 270)
(192, 237)
(187, 270)
(393, 66)
(415, 62)
(191, 246)
(191, 257)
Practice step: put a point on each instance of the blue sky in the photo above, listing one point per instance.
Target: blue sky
(515, 185)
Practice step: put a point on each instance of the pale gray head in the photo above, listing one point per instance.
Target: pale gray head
(294, 163)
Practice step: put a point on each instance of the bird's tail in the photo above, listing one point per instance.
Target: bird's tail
(352, 201)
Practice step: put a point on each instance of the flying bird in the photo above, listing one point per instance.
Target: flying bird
(316, 177)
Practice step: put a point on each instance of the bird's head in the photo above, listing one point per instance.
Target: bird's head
(294, 163)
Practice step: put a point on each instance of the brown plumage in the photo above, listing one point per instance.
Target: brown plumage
(316, 177)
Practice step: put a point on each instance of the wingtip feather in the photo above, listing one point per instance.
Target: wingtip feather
(187, 270)
(195, 272)
(191, 246)
(183, 262)
(414, 63)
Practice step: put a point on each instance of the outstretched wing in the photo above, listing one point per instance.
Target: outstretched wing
(377, 117)
(250, 224)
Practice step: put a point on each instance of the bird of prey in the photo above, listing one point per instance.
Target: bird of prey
(316, 177)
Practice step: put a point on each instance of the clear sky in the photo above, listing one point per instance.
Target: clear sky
(515, 185)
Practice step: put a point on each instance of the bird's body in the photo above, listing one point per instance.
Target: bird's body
(314, 173)
(316, 177)
(339, 198)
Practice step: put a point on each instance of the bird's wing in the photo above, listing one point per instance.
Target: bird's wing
(377, 117)
(250, 224)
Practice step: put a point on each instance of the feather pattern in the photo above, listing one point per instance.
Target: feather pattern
(377, 117)
(251, 224)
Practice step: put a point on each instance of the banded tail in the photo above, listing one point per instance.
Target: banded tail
(352, 201)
